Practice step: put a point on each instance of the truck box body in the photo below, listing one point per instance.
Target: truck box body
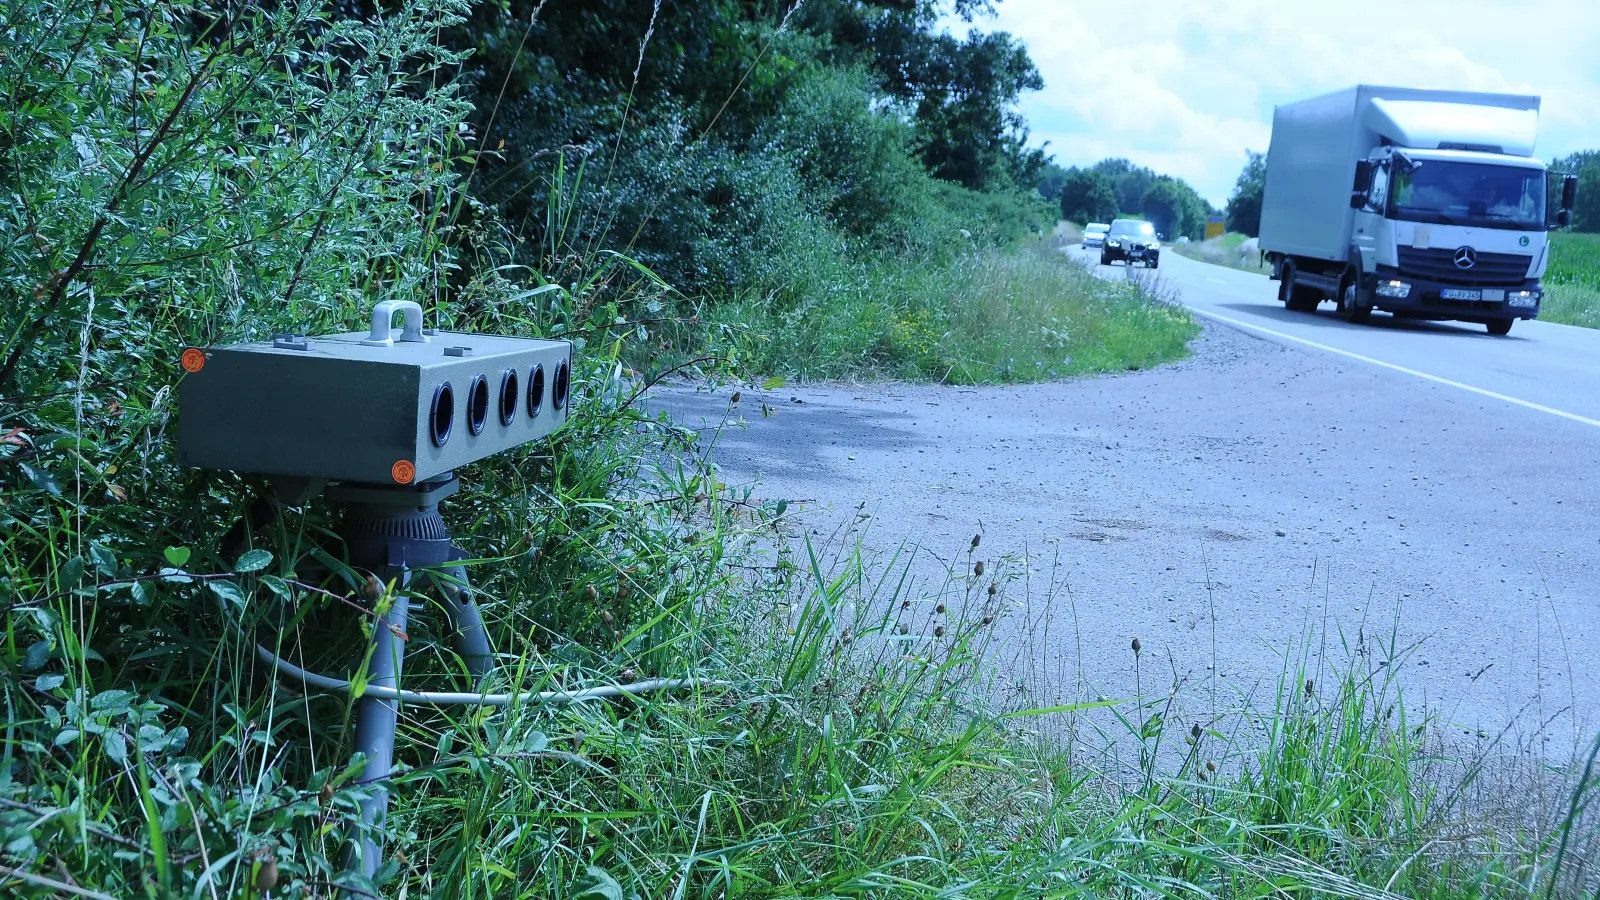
(1316, 144)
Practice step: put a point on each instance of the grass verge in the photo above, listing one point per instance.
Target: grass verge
(1224, 251)
(848, 743)
(1572, 281)
(988, 316)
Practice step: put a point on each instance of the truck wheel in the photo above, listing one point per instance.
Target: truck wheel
(1104, 261)
(1154, 263)
(1499, 326)
(1350, 308)
(1295, 298)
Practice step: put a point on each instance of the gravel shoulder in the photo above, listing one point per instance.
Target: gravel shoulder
(1222, 509)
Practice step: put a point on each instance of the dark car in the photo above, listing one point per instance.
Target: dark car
(1132, 241)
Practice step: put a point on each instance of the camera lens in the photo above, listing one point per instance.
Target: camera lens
(508, 396)
(443, 414)
(536, 391)
(477, 405)
(558, 388)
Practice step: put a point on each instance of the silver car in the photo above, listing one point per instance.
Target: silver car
(1094, 234)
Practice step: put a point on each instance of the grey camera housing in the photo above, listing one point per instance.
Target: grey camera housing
(363, 407)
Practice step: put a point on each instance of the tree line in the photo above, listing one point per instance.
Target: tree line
(1117, 187)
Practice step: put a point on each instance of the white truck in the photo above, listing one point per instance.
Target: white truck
(1425, 204)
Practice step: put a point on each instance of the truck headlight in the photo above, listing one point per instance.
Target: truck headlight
(1523, 298)
(1393, 289)
(1113, 243)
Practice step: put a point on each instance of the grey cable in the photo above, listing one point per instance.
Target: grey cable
(448, 698)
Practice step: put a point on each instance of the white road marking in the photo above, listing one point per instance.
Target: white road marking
(1387, 365)
(1216, 281)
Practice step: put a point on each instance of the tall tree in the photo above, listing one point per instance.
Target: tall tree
(1244, 207)
(1130, 181)
(1585, 165)
(1175, 208)
(1088, 196)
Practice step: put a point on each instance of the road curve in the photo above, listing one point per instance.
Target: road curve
(1391, 485)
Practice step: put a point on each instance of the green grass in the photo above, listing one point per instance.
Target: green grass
(1572, 281)
(986, 316)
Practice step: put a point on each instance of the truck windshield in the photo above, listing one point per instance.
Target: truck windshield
(1132, 229)
(1462, 193)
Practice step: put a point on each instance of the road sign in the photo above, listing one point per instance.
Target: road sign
(1214, 227)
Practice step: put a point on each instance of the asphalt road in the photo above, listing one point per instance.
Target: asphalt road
(1399, 485)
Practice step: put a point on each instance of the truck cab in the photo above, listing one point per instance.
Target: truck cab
(1425, 204)
(1451, 233)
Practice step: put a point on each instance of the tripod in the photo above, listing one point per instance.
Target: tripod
(392, 532)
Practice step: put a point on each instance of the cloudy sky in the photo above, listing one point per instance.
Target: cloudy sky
(1186, 87)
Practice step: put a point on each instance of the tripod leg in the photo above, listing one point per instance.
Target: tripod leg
(375, 726)
(466, 623)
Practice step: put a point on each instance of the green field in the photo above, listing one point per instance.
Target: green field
(1572, 282)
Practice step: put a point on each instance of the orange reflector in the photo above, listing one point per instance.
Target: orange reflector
(193, 360)
(403, 471)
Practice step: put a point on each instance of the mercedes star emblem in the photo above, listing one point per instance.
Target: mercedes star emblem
(1466, 258)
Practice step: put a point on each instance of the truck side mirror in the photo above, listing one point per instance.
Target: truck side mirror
(1361, 185)
(1363, 182)
(1569, 192)
(1563, 218)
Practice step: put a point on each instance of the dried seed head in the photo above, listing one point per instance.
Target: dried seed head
(1137, 646)
(590, 594)
(902, 628)
(977, 568)
(938, 631)
(605, 616)
(623, 591)
(1201, 775)
(905, 604)
(628, 676)
(1210, 766)
(939, 609)
(327, 794)
(736, 397)
(976, 540)
(994, 588)
(1194, 731)
(1311, 687)
(988, 619)
(372, 590)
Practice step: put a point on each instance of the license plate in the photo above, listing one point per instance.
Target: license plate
(1459, 294)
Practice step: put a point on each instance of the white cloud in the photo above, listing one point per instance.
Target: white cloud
(1187, 87)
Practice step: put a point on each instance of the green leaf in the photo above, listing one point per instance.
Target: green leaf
(41, 479)
(596, 884)
(177, 556)
(105, 562)
(48, 682)
(116, 746)
(36, 657)
(254, 561)
(773, 383)
(783, 507)
(66, 737)
(535, 742)
(228, 591)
